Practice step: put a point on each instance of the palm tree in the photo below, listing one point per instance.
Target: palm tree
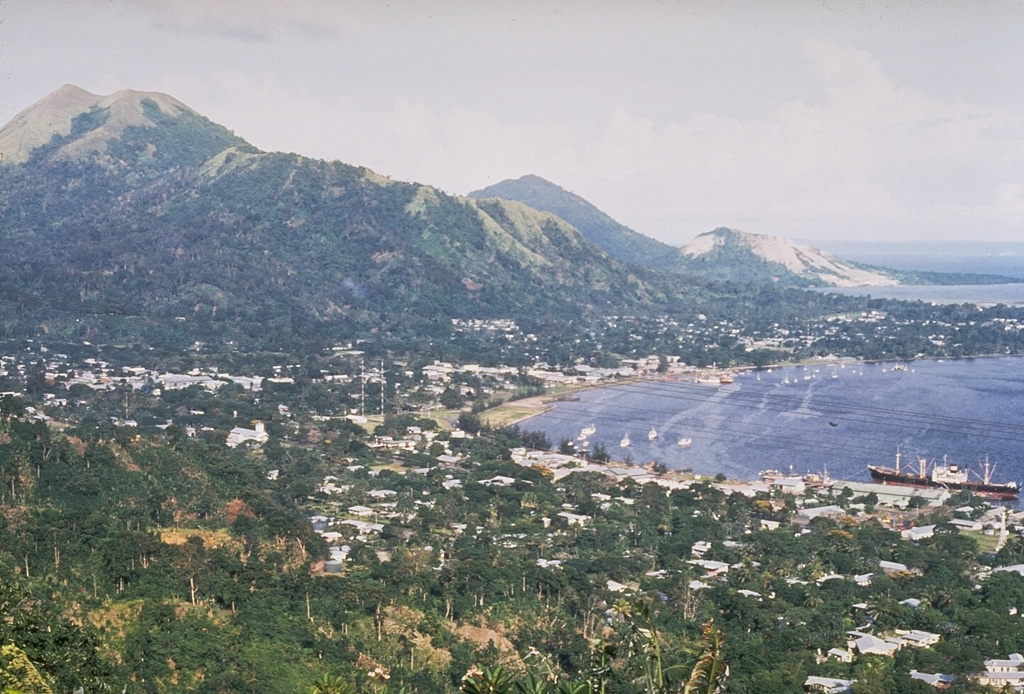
(710, 671)
(494, 680)
(813, 599)
(331, 684)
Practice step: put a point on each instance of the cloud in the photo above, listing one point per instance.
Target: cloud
(256, 21)
(857, 155)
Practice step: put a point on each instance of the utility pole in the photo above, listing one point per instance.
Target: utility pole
(362, 389)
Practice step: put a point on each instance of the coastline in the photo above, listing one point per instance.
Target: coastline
(515, 412)
(846, 437)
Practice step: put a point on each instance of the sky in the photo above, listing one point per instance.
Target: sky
(837, 120)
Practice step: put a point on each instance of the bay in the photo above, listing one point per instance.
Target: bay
(839, 417)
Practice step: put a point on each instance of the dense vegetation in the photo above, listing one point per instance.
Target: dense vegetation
(172, 565)
(598, 228)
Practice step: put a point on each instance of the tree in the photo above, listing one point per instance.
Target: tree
(470, 422)
(452, 398)
(710, 671)
(331, 684)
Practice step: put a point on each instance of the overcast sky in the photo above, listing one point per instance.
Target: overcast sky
(897, 120)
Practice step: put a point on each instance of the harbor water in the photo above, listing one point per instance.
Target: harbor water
(835, 417)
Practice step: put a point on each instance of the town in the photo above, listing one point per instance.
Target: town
(403, 476)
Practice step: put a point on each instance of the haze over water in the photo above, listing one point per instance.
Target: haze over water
(843, 417)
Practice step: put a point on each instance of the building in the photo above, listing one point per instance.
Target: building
(828, 685)
(1001, 673)
(892, 495)
(240, 435)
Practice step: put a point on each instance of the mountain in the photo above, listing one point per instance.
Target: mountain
(615, 239)
(736, 255)
(133, 205)
(73, 124)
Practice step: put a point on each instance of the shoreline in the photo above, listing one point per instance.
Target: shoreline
(515, 412)
(738, 470)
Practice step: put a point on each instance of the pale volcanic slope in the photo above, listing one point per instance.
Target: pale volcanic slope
(800, 260)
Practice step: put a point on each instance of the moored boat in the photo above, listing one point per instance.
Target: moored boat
(945, 476)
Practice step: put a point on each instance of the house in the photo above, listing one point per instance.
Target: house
(574, 518)
(867, 644)
(1001, 673)
(1016, 568)
(840, 654)
(918, 639)
(827, 685)
(712, 569)
(892, 567)
(498, 481)
(938, 681)
(806, 515)
(700, 548)
(918, 533)
(240, 435)
(363, 527)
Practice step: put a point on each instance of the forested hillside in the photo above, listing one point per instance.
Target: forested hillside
(601, 230)
(177, 218)
(168, 565)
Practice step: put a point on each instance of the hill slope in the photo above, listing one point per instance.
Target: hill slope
(615, 239)
(731, 254)
(136, 205)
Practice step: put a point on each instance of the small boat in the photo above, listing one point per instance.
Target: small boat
(725, 380)
(589, 430)
(652, 434)
(624, 443)
(685, 442)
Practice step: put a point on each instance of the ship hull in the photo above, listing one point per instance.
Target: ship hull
(1001, 492)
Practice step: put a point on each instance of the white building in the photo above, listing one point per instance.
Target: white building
(241, 435)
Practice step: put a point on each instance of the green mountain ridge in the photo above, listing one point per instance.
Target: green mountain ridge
(613, 238)
(143, 207)
(722, 254)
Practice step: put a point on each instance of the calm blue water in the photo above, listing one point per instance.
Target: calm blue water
(964, 409)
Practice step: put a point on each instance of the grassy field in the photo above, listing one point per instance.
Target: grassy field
(515, 411)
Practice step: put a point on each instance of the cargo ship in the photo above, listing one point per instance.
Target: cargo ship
(945, 476)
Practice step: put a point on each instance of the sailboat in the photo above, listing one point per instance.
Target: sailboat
(652, 434)
(624, 443)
